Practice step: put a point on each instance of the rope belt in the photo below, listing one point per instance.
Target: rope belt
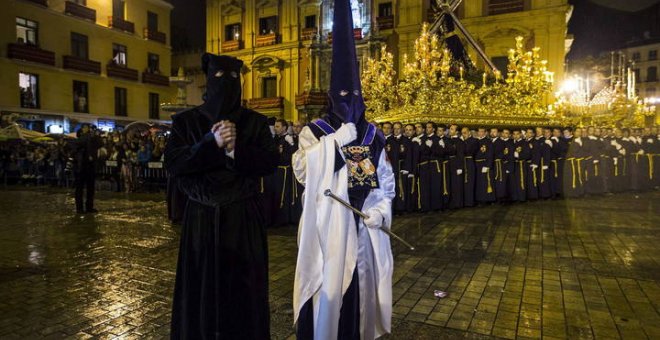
(522, 174)
(554, 161)
(286, 170)
(444, 178)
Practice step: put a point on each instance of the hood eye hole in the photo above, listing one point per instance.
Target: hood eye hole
(234, 74)
(219, 73)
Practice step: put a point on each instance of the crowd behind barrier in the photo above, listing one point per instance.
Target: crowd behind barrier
(125, 162)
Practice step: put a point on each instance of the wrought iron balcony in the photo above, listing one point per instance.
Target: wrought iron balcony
(80, 11)
(117, 71)
(156, 79)
(266, 103)
(155, 36)
(385, 23)
(505, 6)
(40, 2)
(31, 53)
(267, 39)
(308, 33)
(121, 24)
(232, 45)
(312, 99)
(357, 34)
(79, 64)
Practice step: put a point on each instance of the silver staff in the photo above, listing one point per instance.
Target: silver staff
(329, 193)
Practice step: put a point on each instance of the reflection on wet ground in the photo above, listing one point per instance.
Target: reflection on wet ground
(586, 268)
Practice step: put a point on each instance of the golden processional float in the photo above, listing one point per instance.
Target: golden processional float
(433, 87)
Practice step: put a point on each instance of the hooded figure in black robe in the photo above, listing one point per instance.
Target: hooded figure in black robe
(221, 289)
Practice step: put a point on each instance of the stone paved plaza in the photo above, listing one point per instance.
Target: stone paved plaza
(587, 268)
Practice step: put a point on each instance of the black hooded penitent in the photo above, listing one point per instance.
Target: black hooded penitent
(221, 288)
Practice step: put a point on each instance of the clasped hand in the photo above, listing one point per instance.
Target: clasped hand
(224, 133)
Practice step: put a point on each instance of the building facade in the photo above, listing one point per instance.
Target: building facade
(285, 44)
(100, 61)
(643, 57)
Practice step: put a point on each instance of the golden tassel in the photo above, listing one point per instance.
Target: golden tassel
(444, 178)
(490, 188)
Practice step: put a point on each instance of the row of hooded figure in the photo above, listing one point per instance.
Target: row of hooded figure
(281, 191)
(439, 168)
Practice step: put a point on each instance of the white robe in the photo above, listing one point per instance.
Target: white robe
(330, 248)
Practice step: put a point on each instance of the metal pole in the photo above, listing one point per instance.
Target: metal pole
(329, 193)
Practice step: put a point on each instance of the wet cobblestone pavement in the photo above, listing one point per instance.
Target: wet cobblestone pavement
(586, 268)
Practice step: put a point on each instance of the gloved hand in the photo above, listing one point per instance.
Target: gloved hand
(404, 172)
(442, 143)
(622, 151)
(533, 166)
(289, 139)
(429, 143)
(375, 219)
(484, 169)
(346, 134)
(411, 176)
(616, 160)
(640, 152)
(459, 171)
(515, 154)
(507, 171)
(613, 142)
(650, 140)
(548, 142)
(545, 167)
(596, 161)
(555, 139)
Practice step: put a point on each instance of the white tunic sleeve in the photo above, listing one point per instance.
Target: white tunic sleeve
(306, 140)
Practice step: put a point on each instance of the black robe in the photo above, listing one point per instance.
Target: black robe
(484, 192)
(284, 184)
(221, 288)
(518, 179)
(456, 163)
(471, 148)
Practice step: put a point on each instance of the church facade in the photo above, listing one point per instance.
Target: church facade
(285, 44)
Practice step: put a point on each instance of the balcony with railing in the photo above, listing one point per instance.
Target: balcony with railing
(266, 103)
(308, 33)
(79, 64)
(505, 6)
(357, 35)
(266, 39)
(312, 98)
(385, 23)
(79, 11)
(121, 24)
(31, 53)
(40, 2)
(155, 36)
(122, 72)
(155, 79)
(232, 45)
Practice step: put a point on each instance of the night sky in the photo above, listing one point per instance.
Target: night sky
(597, 25)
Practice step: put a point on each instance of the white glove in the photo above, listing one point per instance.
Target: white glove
(578, 140)
(484, 169)
(459, 171)
(442, 143)
(507, 171)
(375, 219)
(613, 142)
(555, 139)
(404, 172)
(411, 176)
(596, 161)
(533, 166)
(417, 140)
(616, 160)
(640, 152)
(650, 140)
(515, 154)
(549, 142)
(545, 167)
(346, 134)
(622, 151)
(289, 139)
(429, 143)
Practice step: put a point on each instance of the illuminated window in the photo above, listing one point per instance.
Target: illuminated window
(27, 31)
(233, 32)
(80, 97)
(385, 9)
(29, 87)
(268, 25)
(356, 8)
(119, 54)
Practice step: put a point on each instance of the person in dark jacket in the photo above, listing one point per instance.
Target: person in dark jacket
(84, 168)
